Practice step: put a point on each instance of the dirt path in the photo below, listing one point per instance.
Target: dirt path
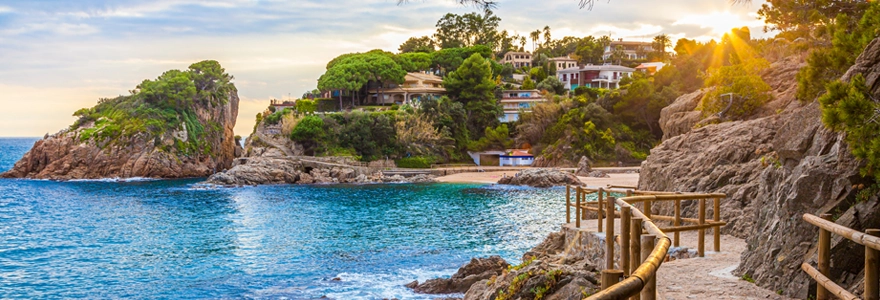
(707, 277)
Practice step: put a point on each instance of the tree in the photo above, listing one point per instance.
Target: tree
(417, 44)
(552, 84)
(528, 84)
(850, 108)
(535, 35)
(805, 18)
(618, 54)
(451, 59)
(350, 76)
(538, 74)
(455, 31)
(472, 85)
(414, 61)
(737, 89)
(309, 131)
(547, 38)
(493, 139)
(659, 45)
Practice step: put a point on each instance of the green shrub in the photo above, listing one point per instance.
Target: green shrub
(395, 107)
(326, 105)
(415, 162)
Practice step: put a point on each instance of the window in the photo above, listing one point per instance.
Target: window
(564, 77)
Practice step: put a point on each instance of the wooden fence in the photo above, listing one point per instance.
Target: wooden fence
(825, 287)
(640, 281)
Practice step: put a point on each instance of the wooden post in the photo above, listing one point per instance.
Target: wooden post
(599, 211)
(625, 219)
(567, 204)
(872, 268)
(609, 233)
(701, 239)
(635, 247)
(610, 277)
(676, 223)
(824, 259)
(584, 201)
(649, 292)
(716, 216)
(577, 208)
(647, 211)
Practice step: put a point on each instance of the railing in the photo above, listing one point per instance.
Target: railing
(825, 287)
(652, 248)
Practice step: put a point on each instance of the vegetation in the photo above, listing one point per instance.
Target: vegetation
(160, 106)
(850, 108)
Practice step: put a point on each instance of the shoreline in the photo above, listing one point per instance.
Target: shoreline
(626, 179)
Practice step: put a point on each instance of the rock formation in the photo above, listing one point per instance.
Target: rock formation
(541, 178)
(547, 271)
(103, 148)
(476, 270)
(260, 170)
(584, 167)
(775, 167)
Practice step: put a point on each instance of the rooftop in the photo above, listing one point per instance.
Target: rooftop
(616, 68)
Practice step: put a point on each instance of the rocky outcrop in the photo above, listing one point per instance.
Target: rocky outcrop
(93, 149)
(541, 178)
(584, 167)
(775, 168)
(680, 116)
(548, 271)
(477, 269)
(261, 170)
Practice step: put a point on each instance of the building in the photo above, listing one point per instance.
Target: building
(563, 62)
(281, 105)
(517, 59)
(516, 158)
(594, 76)
(415, 87)
(650, 67)
(631, 50)
(515, 101)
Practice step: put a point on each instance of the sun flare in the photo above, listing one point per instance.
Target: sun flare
(719, 22)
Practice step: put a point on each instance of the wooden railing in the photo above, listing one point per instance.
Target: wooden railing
(652, 248)
(825, 287)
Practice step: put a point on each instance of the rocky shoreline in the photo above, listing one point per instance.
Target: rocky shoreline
(287, 170)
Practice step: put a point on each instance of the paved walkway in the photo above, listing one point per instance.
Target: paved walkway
(703, 277)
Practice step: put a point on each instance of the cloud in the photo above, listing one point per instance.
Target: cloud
(5, 10)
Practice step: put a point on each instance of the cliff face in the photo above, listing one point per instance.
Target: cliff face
(117, 138)
(774, 168)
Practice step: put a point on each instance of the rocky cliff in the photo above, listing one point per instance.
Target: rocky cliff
(179, 125)
(775, 167)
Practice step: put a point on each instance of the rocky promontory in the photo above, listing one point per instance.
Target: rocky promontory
(178, 125)
(259, 170)
(541, 178)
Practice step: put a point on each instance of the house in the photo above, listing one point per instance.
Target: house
(650, 67)
(594, 76)
(632, 50)
(516, 158)
(281, 105)
(415, 87)
(563, 62)
(517, 59)
(515, 101)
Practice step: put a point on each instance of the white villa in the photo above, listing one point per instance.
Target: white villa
(515, 101)
(632, 50)
(563, 62)
(594, 76)
(517, 59)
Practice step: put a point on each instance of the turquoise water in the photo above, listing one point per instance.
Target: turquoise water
(179, 239)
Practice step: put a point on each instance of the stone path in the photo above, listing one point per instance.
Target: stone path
(703, 277)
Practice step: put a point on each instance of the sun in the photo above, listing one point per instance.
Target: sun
(719, 22)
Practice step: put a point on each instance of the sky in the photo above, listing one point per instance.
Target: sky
(57, 56)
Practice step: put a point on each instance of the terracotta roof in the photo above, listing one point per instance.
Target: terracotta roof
(519, 153)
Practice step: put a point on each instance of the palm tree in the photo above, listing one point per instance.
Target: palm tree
(660, 44)
(522, 43)
(535, 35)
(547, 35)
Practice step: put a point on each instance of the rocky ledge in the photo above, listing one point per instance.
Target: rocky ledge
(541, 178)
(287, 170)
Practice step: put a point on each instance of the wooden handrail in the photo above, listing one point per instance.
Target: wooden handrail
(642, 278)
(824, 285)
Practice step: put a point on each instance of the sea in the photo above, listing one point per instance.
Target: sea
(181, 239)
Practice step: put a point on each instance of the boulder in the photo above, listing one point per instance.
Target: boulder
(477, 269)
(541, 178)
(259, 170)
(584, 167)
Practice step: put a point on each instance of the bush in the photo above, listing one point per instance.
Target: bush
(395, 107)
(415, 162)
(326, 105)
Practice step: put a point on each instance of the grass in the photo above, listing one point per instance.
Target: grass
(748, 278)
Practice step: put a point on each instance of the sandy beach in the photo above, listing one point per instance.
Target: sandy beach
(630, 179)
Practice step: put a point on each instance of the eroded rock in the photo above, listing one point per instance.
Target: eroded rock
(541, 178)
